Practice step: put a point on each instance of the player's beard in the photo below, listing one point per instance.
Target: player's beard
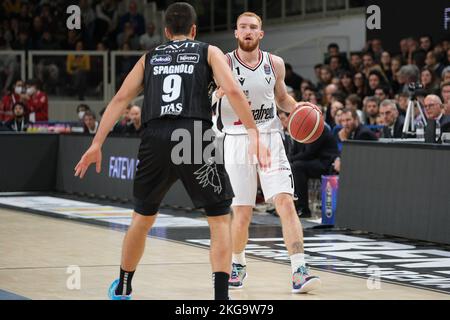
(248, 47)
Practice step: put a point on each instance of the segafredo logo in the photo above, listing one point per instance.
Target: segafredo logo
(188, 58)
(161, 59)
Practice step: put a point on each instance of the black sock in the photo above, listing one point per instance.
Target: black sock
(220, 281)
(124, 286)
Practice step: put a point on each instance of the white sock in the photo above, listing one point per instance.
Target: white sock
(239, 258)
(297, 260)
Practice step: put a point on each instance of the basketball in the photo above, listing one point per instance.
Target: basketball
(306, 124)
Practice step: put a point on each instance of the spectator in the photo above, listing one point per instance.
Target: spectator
(82, 108)
(355, 62)
(404, 50)
(16, 95)
(432, 62)
(396, 64)
(78, 66)
(292, 79)
(326, 101)
(335, 65)
(9, 68)
(371, 109)
(426, 43)
(128, 36)
(36, 32)
(308, 161)
(352, 129)
(354, 102)
(333, 51)
(325, 77)
(135, 19)
(149, 40)
(71, 41)
(317, 70)
(406, 75)
(445, 93)
(25, 17)
(306, 84)
(87, 21)
(445, 77)
(434, 110)
(393, 126)
(359, 79)
(376, 48)
(134, 128)
(37, 102)
(107, 20)
(90, 122)
(22, 42)
(386, 65)
(368, 63)
(375, 79)
(19, 122)
(12, 7)
(47, 18)
(429, 81)
(382, 93)
(335, 106)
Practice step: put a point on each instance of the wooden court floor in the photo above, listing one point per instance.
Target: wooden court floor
(36, 251)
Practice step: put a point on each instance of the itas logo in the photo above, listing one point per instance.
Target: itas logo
(188, 58)
(157, 60)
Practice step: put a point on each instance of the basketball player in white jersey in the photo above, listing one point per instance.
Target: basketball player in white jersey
(261, 76)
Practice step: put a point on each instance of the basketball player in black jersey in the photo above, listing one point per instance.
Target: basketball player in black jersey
(175, 77)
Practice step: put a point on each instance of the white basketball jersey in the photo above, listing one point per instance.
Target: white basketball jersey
(258, 85)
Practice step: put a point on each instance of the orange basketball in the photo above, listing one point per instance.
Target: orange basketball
(305, 124)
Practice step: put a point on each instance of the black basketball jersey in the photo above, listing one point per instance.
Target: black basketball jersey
(176, 81)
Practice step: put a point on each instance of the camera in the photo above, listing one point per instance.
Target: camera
(413, 86)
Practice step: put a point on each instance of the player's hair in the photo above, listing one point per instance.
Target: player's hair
(180, 17)
(250, 14)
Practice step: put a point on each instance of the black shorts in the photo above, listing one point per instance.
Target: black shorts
(206, 182)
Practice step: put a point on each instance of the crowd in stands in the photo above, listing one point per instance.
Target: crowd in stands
(41, 25)
(366, 98)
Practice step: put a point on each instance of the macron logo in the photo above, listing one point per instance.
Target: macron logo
(188, 58)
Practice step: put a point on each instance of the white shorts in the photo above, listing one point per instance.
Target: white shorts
(244, 175)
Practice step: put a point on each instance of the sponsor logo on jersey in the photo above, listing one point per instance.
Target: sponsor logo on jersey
(241, 80)
(262, 113)
(266, 69)
(160, 59)
(188, 58)
(268, 79)
(172, 109)
(176, 46)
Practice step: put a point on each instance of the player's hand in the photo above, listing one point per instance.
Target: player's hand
(309, 104)
(219, 93)
(92, 155)
(258, 152)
